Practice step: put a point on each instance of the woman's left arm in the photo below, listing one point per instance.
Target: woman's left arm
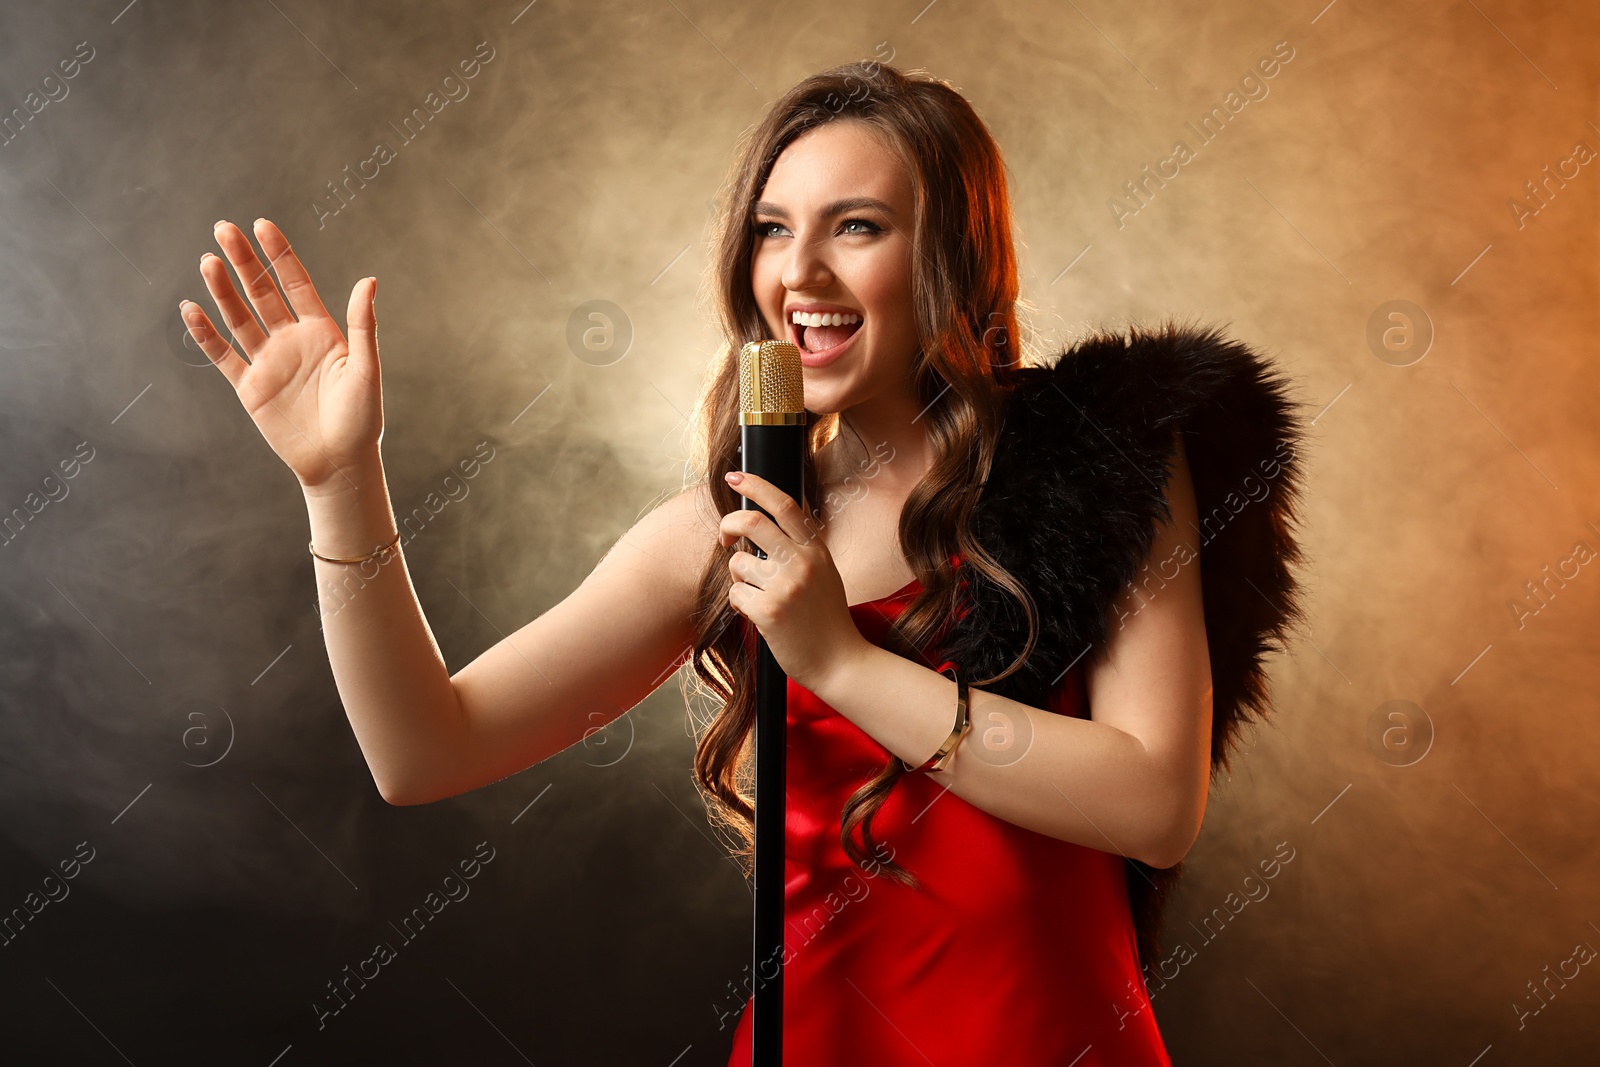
(1131, 779)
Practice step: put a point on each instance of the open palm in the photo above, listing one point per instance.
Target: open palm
(315, 398)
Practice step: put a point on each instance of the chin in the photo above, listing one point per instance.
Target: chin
(824, 400)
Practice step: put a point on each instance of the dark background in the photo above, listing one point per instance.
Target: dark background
(167, 703)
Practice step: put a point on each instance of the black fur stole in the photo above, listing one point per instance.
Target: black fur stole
(1072, 502)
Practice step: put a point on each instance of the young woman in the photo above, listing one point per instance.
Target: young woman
(1007, 693)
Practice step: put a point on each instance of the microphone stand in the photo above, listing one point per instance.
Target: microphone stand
(772, 711)
(772, 446)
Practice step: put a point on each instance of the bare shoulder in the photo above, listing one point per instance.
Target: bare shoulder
(674, 540)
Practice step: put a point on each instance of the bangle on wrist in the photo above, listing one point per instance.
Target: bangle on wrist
(380, 554)
(939, 759)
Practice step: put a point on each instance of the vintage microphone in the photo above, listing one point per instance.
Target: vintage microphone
(772, 444)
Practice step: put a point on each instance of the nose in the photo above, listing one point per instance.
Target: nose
(807, 266)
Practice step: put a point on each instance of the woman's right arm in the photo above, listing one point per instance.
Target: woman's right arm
(317, 401)
(570, 671)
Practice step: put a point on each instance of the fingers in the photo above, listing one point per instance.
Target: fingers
(297, 287)
(258, 285)
(775, 538)
(217, 350)
(791, 519)
(361, 321)
(753, 571)
(750, 523)
(236, 316)
(736, 568)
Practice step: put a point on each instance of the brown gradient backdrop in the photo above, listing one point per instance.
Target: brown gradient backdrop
(168, 705)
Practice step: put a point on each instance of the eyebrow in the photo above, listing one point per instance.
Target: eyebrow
(838, 207)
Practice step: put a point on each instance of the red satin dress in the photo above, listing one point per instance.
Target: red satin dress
(1019, 950)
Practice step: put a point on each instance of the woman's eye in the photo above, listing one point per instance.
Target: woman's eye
(765, 229)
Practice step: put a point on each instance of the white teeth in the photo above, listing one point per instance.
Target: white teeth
(806, 318)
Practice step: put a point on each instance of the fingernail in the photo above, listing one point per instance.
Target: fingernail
(218, 225)
(735, 477)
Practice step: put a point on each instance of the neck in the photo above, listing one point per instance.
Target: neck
(883, 440)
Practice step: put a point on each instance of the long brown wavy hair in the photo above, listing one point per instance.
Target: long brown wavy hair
(965, 300)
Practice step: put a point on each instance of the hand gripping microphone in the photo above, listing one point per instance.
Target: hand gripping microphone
(772, 444)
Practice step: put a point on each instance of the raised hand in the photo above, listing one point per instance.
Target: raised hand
(317, 400)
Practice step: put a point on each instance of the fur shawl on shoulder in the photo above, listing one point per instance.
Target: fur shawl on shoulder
(1071, 505)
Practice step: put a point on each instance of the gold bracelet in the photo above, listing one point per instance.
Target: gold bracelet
(375, 554)
(937, 761)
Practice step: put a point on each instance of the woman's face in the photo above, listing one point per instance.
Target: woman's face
(832, 231)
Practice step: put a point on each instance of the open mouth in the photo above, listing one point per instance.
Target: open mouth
(819, 339)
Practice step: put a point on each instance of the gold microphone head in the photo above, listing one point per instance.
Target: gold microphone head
(771, 384)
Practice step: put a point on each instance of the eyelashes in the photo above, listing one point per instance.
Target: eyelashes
(763, 229)
(871, 227)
